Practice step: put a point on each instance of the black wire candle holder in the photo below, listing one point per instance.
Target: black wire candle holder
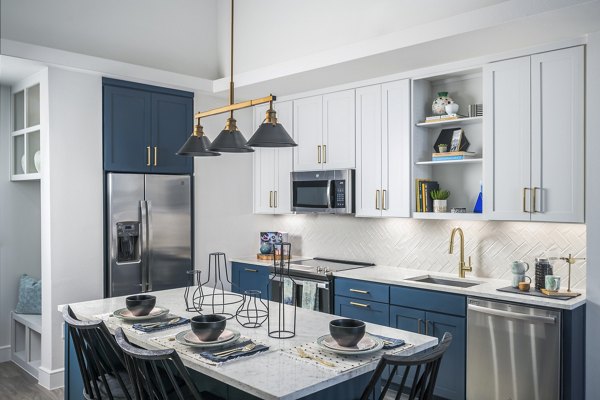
(197, 298)
(282, 317)
(215, 302)
(254, 311)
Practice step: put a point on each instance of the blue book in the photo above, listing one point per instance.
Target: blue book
(446, 158)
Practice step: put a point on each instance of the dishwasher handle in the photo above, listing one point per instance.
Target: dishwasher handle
(510, 314)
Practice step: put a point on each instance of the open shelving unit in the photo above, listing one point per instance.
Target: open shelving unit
(27, 341)
(25, 131)
(461, 177)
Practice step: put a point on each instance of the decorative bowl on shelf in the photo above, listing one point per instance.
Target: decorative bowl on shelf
(347, 332)
(208, 327)
(451, 108)
(140, 304)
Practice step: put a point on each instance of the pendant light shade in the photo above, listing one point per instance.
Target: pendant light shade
(231, 140)
(197, 144)
(271, 133)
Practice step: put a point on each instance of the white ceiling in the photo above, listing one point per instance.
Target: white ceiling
(173, 35)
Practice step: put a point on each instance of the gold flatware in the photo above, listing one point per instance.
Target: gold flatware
(304, 354)
(246, 348)
(155, 324)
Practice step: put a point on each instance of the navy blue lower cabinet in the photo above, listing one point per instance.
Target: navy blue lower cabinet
(73, 379)
(249, 277)
(451, 381)
(368, 311)
(407, 319)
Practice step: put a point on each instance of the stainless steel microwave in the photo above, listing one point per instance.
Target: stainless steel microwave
(329, 192)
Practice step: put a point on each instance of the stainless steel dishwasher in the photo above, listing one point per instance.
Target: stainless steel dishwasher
(513, 352)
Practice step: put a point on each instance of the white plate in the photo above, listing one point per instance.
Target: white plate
(221, 341)
(126, 315)
(368, 344)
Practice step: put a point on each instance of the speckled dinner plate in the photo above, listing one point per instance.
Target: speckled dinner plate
(126, 315)
(368, 344)
(228, 336)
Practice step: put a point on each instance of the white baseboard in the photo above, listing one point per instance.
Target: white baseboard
(51, 379)
(4, 353)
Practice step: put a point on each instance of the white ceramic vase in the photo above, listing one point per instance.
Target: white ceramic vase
(440, 206)
(24, 164)
(451, 108)
(438, 107)
(36, 160)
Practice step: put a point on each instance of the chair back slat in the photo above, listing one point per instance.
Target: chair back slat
(150, 370)
(426, 363)
(98, 356)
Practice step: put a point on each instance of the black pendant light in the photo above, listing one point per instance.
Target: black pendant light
(271, 133)
(231, 140)
(197, 144)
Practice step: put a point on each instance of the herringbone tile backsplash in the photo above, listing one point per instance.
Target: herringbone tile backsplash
(423, 244)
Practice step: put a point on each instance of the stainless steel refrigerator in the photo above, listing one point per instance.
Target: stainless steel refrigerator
(148, 231)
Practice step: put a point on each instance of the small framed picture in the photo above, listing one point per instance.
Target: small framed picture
(456, 140)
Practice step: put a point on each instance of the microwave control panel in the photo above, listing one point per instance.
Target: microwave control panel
(340, 194)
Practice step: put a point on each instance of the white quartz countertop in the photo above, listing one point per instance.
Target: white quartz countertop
(267, 375)
(400, 276)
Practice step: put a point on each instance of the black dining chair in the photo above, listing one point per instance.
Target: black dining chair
(426, 363)
(100, 359)
(158, 374)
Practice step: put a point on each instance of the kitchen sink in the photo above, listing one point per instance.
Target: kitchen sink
(438, 280)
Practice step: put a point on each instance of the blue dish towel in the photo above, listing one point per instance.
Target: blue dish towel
(151, 327)
(210, 356)
(389, 343)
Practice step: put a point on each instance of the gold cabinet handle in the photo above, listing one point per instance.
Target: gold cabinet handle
(319, 154)
(377, 200)
(324, 153)
(148, 156)
(271, 199)
(359, 291)
(250, 270)
(275, 199)
(359, 304)
(419, 321)
(155, 155)
(534, 201)
(383, 202)
(426, 327)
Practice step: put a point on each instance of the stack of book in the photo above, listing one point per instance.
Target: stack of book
(423, 194)
(452, 155)
(440, 118)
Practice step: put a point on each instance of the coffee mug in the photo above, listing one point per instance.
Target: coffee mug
(518, 278)
(552, 283)
(525, 286)
(519, 267)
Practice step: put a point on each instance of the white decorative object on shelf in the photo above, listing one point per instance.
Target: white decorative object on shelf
(36, 160)
(24, 164)
(451, 108)
(439, 104)
(440, 206)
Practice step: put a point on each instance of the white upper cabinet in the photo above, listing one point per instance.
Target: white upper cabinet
(338, 130)
(383, 150)
(325, 132)
(507, 170)
(272, 166)
(395, 150)
(308, 133)
(535, 132)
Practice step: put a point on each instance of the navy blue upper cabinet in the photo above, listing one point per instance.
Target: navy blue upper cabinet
(144, 126)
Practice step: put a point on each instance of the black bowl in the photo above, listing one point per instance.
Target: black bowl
(208, 327)
(347, 332)
(140, 304)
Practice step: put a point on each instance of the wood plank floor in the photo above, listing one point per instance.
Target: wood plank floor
(16, 384)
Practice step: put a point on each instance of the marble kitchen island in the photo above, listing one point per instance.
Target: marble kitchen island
(274, 374)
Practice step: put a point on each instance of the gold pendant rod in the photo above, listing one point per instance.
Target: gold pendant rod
(236, 106)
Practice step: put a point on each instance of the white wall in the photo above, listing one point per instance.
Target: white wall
(72, 266)
(593, 218)
(19, 228)
(269, 32)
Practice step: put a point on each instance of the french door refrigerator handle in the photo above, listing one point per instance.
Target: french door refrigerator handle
(149, 246)
(510, 314)
(144, 237)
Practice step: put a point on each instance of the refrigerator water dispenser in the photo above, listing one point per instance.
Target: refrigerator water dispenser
(128, 237)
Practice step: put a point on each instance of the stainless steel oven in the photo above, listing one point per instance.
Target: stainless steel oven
(330, 192)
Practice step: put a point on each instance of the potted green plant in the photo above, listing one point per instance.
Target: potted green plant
(440, 200)
(442, 148)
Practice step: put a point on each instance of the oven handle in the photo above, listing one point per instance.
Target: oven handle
(320, 284)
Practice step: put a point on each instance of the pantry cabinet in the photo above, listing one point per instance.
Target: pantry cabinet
(534, 137)
(273, 166)
(383, 150)
(324, 130)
